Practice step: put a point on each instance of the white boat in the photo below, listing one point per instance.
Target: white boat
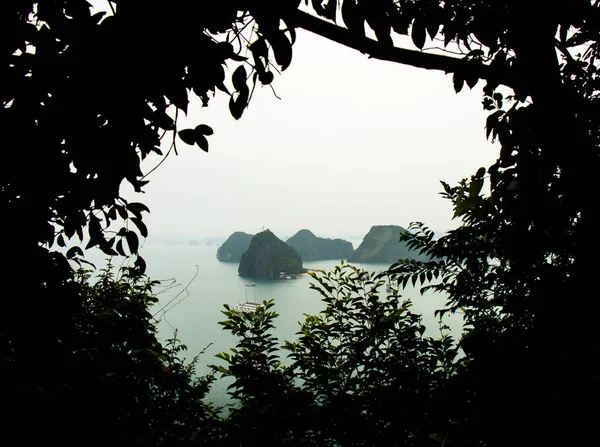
(389, 288)
(247, 307)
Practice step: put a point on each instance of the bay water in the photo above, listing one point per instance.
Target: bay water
(195, 286)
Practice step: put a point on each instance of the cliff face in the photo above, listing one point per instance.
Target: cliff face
(267, 256)
(233, 247)
(381, 245)
(313, 248)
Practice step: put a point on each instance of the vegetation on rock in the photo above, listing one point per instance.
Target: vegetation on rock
(382, 244)
(268, 256)
(313, 248)
(232, 249)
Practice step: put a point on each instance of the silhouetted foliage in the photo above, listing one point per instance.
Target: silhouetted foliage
(522, 262)
(85, 97)
(109, 380)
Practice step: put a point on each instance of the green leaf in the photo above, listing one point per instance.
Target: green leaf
(475, 187)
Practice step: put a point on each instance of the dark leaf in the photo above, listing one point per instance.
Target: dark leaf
(432, 29)
(178, 96)
(137, 208)
(239, 78)
(141, 226)
(563, 33)
(74, 251)
(266, 77)
(132, 241)
(235, 109)
(237, 105)
(328, 10)
(491, 122)
(94, 227)
(107, 249)
(140, 264)
(202, 142)
(112, 213)
(238, 58)
(471, 81)
(418, 33)
(203, 129)
(458, 82)
(282, 48)
(119, 248)
(122, 211)
(259, 48)
(475, 187)
(352, 17)
(162, 120)
(188, 136)
(225, 49)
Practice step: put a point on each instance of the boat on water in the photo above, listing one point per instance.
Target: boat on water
(247, 307)
(388, 287)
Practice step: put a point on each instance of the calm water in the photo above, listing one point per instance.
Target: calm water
(193, 276)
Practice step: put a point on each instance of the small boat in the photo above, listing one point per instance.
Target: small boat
(389, 288)
(250, 284)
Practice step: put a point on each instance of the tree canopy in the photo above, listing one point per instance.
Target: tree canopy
(87, 95)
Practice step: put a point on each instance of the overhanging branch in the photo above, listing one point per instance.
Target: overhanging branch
(419, 59)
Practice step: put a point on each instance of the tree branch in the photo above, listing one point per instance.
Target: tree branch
(419, 59)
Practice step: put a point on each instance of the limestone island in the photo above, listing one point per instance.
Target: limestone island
(313, 248)
(270, 257)
(233, 248)
(382, 245)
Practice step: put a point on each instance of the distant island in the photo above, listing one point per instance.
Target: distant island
(233, 248)
(268, 256)
(381, 245)
(313, 248)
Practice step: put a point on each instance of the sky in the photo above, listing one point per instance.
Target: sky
(347, 142)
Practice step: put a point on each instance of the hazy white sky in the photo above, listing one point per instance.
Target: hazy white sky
(353, 142)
